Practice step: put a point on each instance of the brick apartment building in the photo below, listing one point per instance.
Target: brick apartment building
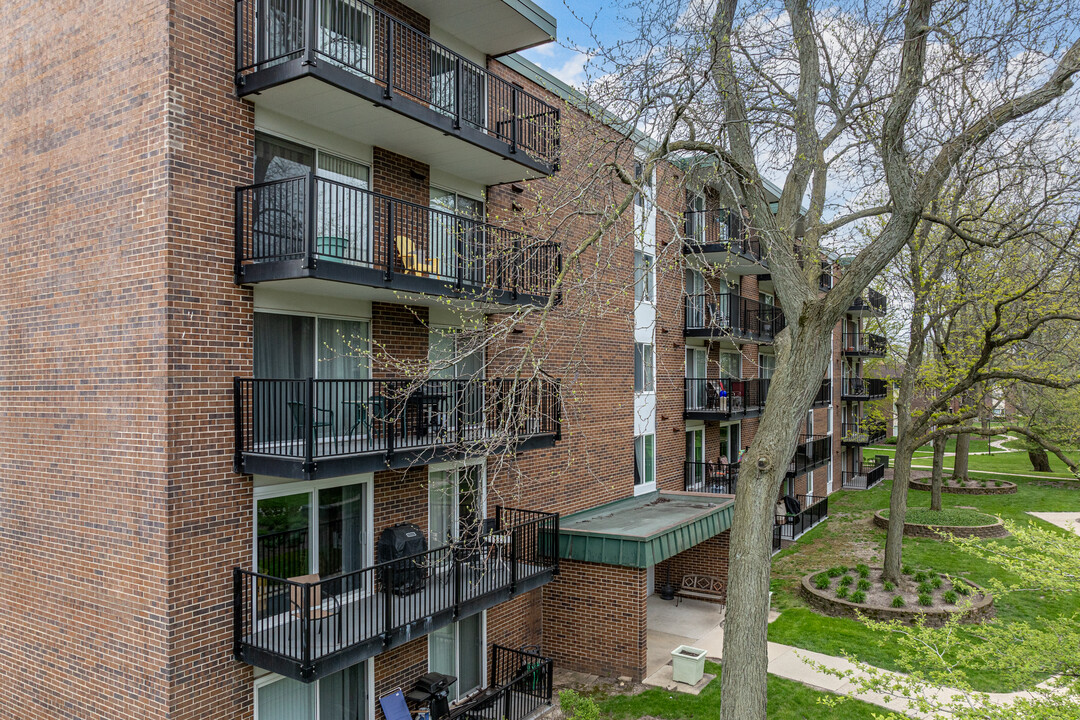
(244, 243)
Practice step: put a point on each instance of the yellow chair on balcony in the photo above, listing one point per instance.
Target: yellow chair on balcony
(406, 251)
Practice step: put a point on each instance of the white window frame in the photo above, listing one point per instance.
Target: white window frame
(315, 346)
(271, 678)
(648, 369)
(457, 657)
(264, 492)
(646, 294)
(649, 485)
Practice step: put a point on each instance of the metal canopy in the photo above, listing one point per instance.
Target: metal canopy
(642, 531)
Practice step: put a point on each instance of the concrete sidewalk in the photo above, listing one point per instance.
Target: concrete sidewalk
(785, 661)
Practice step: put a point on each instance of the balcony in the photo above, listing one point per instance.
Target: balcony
(310, 429)
(717, 478)
(724, 398)
(872, 304)
(857, 388)
(790, 526)
(732, 317)
(307, 227)
(824, 395)
(862, 345)
(812, 452)
(520, 685)
(307, 630)
(862, 433)
(721, 238)
(342, 66)
(867, 476)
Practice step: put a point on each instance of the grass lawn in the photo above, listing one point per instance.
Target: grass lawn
(788, 700)
(848, 537)
(1014, 462)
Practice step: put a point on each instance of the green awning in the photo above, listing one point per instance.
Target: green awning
(642, 531)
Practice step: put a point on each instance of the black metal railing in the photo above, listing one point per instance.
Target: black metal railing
(864, 388)
(313, 219)
(874, 302)
(369, 44)
(862, 433)
(824, 394)
(295, 627)
(724, 227)
(812, 452)
(722, 314)
(520, 684)
(308, 419)
(725, 397)
(862, 344)
(813, 510)
(866, 477)
(720, 478)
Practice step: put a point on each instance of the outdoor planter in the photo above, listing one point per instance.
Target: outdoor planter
(687, 664)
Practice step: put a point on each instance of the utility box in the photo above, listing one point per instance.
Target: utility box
(687, 664)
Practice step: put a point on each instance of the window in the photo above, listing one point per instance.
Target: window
(643, 368)
(458, 650)
(456, 235)
(345, 34)
(640, 198)
(643, 277)
(322, 531)
(695, 299)
(644, 459)
(341, 696)
(730, 365)
(343, 207)
(766, 365)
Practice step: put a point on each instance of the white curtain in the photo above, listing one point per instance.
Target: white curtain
(286, 700)
(442, 497)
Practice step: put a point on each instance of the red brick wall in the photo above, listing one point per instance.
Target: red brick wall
(595, 619)
(707, 558)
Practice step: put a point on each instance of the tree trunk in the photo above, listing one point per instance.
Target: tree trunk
(1039, 461)
(960, 462)
(894, 538)
(797, 378)
(935, 477)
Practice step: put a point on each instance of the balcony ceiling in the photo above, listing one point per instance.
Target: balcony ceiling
(324, 106)
(496, 27)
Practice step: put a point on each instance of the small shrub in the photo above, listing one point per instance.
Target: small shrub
(822, 581)
(925, 588)
(578, 707)
(898, 601)
(842, 592)
(835, 572)
(949, 596)
(998, 483)
(925, 599)
(936, 582)
(846, 580)
(961, 587)
(888, 586)
(863, 570)
(858, 597)
(863, 584)
(907, 569)
(920, 577)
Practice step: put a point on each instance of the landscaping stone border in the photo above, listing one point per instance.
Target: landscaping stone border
(934, 532)
(1007, 488)
(983, 608)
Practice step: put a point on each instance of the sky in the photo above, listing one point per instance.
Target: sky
(557, 57)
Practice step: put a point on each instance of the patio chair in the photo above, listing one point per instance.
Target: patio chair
(298, 411)
(316, 611)
(410, 259)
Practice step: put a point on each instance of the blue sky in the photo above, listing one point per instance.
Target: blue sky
(556, 58)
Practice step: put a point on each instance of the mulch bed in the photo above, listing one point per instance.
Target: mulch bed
(877, 603)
